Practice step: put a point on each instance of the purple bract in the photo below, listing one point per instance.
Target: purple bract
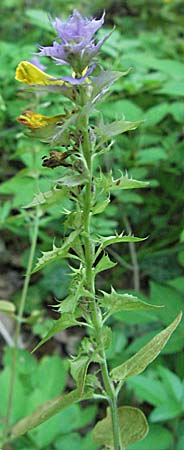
(76, 47)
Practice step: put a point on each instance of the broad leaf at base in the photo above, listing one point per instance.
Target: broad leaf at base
(132, 423)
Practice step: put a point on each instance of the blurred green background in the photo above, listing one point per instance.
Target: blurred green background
(149, 38)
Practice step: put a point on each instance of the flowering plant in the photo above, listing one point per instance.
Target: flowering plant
(81, 142)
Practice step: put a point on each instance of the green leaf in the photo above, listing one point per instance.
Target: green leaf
(177, 110)
(108, 183)
(46, 411)
(174, 300)
(133, 427)
(39, 18)
(69, 304)
(79, 367)
(104, 264)
(102, 81)
(7, 307)
(116, 302)
(66, 321)
(106, 241)
(126, 107)
(166, 411)
(157, 438)
(107, 131)
(156, 114)
(57, 252)
(48, 198)
(151, 155)
(137, 363)
(148, 389)
(172, 383)
(172, 88)
(101, 206)
(77, 290)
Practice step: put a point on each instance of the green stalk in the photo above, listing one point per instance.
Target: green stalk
(19, 322)
(96, 313)
(21, 307)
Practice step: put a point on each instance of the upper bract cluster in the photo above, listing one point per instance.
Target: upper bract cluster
(76, 45)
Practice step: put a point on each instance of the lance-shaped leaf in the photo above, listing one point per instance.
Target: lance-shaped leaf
(56, 252)
(77, 290)
(46, 411)
(102, 82)
(137, 363)
(108, 183)
(66, 321)
(107, 131)
(105, 241)
(46, 199)
(117, 302)
(68, 305)
(132, 424)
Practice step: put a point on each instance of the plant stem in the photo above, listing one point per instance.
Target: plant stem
(96, 313)
(19, 321)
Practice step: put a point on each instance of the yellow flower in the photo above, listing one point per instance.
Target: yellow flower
(36, 121)
(29, 74)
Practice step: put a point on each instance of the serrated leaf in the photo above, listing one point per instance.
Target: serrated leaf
(56, 252)
(66, 321)
(104, 264)
(69, 304)
(46, 411)
(132, 423)
(102, 81)
(106, 241)
(117, 302)
(108, 183)
(47, 198)
(137, 363)
(7, 307)
(107, 131)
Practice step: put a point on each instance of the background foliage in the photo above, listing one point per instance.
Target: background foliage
(149, 38)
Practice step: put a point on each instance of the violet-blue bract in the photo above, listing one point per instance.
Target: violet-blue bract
(77, 46)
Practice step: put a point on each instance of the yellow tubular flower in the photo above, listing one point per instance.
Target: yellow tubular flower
(29, 74)
(36, 121)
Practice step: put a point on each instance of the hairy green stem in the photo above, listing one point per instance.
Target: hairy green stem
(96, 314)
(19, 322)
